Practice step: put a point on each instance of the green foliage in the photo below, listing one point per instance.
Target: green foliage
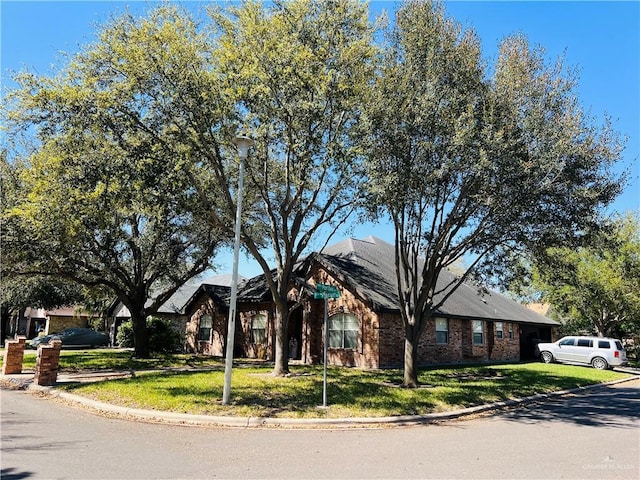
(468, 166)
(297, 72)
(596, 287)
(124, 337)
(105, 197)
(128, 178)
(163, 338)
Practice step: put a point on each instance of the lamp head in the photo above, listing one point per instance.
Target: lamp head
(243, 143)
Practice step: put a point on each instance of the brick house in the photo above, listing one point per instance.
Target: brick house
(172, 310)
(42, 321)
(365, 327)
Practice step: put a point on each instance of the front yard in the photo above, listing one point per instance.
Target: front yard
(194, 384)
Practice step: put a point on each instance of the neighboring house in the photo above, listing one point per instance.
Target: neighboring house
(172, 310)
(541, 308)
(365, 327)
(207, 325)
(40, 320)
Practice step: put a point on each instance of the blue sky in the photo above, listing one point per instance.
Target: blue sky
(602, 39)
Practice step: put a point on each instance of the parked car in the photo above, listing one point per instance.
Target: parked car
(74, 337)
(599, 352)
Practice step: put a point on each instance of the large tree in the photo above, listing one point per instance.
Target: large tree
(297, 71)
(473, 167)
(596, 284)
(106, 197)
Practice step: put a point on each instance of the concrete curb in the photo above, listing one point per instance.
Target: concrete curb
(154, 416)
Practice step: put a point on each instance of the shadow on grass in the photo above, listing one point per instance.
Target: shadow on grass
(97, 360)
(353, 392)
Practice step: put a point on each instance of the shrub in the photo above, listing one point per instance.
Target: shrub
(163, 338)
(97, 324)
(124, 337)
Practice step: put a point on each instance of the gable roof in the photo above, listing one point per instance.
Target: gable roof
(367, 267)
(256, 289)
(218, 293)
(219, 288)
(177, 301)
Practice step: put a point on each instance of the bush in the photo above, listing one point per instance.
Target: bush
(162, 337)
(97, 324)
(124, 337)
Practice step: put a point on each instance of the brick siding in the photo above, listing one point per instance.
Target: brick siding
(380, 335)
(216, 344)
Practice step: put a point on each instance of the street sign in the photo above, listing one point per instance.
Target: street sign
(326, 291)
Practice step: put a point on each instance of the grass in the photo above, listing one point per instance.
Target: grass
(351, 392)
(110, 359)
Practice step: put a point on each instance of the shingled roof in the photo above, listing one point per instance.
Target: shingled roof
(217, 287)
(367, 267)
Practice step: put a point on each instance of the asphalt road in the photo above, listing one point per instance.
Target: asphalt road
(591, 435)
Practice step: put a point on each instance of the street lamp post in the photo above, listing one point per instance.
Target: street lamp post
(243, 143)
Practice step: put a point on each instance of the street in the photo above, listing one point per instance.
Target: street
(592, 434)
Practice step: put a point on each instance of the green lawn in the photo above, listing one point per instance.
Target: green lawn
(351, 392)
(110, 359)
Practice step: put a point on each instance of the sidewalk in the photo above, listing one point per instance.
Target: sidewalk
(24, 381)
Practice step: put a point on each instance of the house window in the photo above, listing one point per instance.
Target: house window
(442, 330)
(259, 329)
(478, 332)
(343, 331)
(499, 330)
(204, 333)
(511, 331)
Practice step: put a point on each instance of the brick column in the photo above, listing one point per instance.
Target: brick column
(13, 356)
(47, 363)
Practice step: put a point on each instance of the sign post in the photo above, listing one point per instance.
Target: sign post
(325, 292)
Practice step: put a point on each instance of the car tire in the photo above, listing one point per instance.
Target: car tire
(599, 363)
(547, 357)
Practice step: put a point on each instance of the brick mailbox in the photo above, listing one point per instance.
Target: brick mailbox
(13, 356)
(47, 363)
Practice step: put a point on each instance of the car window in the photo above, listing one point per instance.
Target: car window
(584, 342)
(619, 345)
(567, 341)
(603, 344)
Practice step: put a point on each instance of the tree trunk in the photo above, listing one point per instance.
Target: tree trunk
(281, 359)
(410, 359)
(5, 313)
(601, 325)
(140, 335)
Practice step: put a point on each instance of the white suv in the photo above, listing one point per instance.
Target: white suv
(599, 352)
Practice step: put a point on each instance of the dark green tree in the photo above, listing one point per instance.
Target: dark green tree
(105, 197)
(473, 167)
(297, 72)
(595, 286)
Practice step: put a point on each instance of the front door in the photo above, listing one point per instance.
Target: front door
(295, 334)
